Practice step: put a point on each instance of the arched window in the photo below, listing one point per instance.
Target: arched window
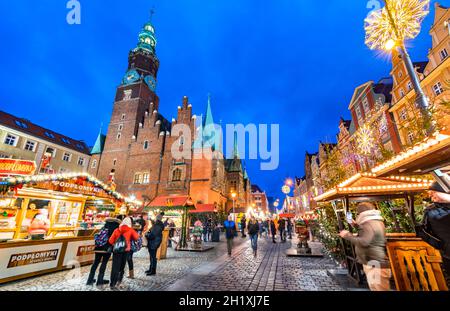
(176, 175)
(137, 178)
(94, 163)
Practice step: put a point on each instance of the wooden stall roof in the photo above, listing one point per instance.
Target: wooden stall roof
(367, 184)
(433, 153)
(78, 183)
(167, 202)
(203, 208)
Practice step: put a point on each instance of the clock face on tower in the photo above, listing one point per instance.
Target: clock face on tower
(130, 77)
(151, 82)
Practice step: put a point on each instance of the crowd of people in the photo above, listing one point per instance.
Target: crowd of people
(121, 237)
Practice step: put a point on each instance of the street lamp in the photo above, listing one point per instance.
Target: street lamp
(233, 196)
(389, 27)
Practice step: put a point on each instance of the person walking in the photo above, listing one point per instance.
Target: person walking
(289, 228)
(273, 230)
(281, 229)
(370, 246)
(171, 232)
(102, 251)
(253, 231)
(154, 239)
(121, 241)
(230, 228)
(243, 225)
(435, 229)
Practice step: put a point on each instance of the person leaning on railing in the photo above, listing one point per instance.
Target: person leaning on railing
(370, 246)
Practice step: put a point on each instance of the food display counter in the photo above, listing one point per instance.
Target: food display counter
(48, 222)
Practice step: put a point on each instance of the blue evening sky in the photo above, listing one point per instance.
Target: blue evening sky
(292, 62)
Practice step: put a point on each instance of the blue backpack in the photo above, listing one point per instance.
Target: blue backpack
(101, 238)
(136, 245)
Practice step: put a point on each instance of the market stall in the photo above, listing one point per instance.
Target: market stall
(368, 187)
(44, 225)
(171, 204)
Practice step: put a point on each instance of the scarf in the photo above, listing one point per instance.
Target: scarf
(367, 216)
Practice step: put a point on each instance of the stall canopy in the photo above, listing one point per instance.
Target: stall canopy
(367, 184)
(170, 202)
(80, 183)
(287, 215)
(203, 208)
(427, 156)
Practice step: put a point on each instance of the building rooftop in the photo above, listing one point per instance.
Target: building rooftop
(27, 127)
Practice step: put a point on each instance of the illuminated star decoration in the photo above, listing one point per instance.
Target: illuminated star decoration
(365, 140)
(407, 16)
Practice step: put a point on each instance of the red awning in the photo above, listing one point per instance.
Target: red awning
(287, 215)
(171, 201)
(203, 208)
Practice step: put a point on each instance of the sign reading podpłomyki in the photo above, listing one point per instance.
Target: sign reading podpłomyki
(16, 167)
(32, 258)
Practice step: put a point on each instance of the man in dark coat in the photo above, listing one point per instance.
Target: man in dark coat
(154, 239)
(273, 230)
(436, 221)
(243, 225)
(102, 254)
(281, 229)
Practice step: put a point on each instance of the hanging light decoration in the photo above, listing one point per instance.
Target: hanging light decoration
(407, 16)
(365, 140)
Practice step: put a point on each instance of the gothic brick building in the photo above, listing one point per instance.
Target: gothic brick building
(138, 150)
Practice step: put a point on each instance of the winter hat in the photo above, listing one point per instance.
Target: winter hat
(159, 217)
(126, 222)
(435, 186)
(365, 206)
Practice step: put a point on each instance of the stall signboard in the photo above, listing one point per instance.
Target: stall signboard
(12, 167)
(73, 186)
(79, 252)
(21, 260)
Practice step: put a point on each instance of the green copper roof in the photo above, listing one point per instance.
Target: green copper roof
(209, 136)
(99, 144)
(147, 38)
(245, 173)
(208, 120)
(235, 146)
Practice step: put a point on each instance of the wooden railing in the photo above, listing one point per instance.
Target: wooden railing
(415, 265)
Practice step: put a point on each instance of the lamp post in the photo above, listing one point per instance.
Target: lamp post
(233, 196)
(388, 28)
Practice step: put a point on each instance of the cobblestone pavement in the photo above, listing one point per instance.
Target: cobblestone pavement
(271, 270)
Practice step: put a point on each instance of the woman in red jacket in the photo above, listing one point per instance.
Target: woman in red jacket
(120, 256)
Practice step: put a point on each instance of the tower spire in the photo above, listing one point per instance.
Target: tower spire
(147, 38)
(235, 146)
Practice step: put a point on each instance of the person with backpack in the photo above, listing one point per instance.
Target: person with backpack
(253, 230)
(154, 239)
(230, 228)
(435, 229)
(136, 246)
(102, 251)
(121, 242)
